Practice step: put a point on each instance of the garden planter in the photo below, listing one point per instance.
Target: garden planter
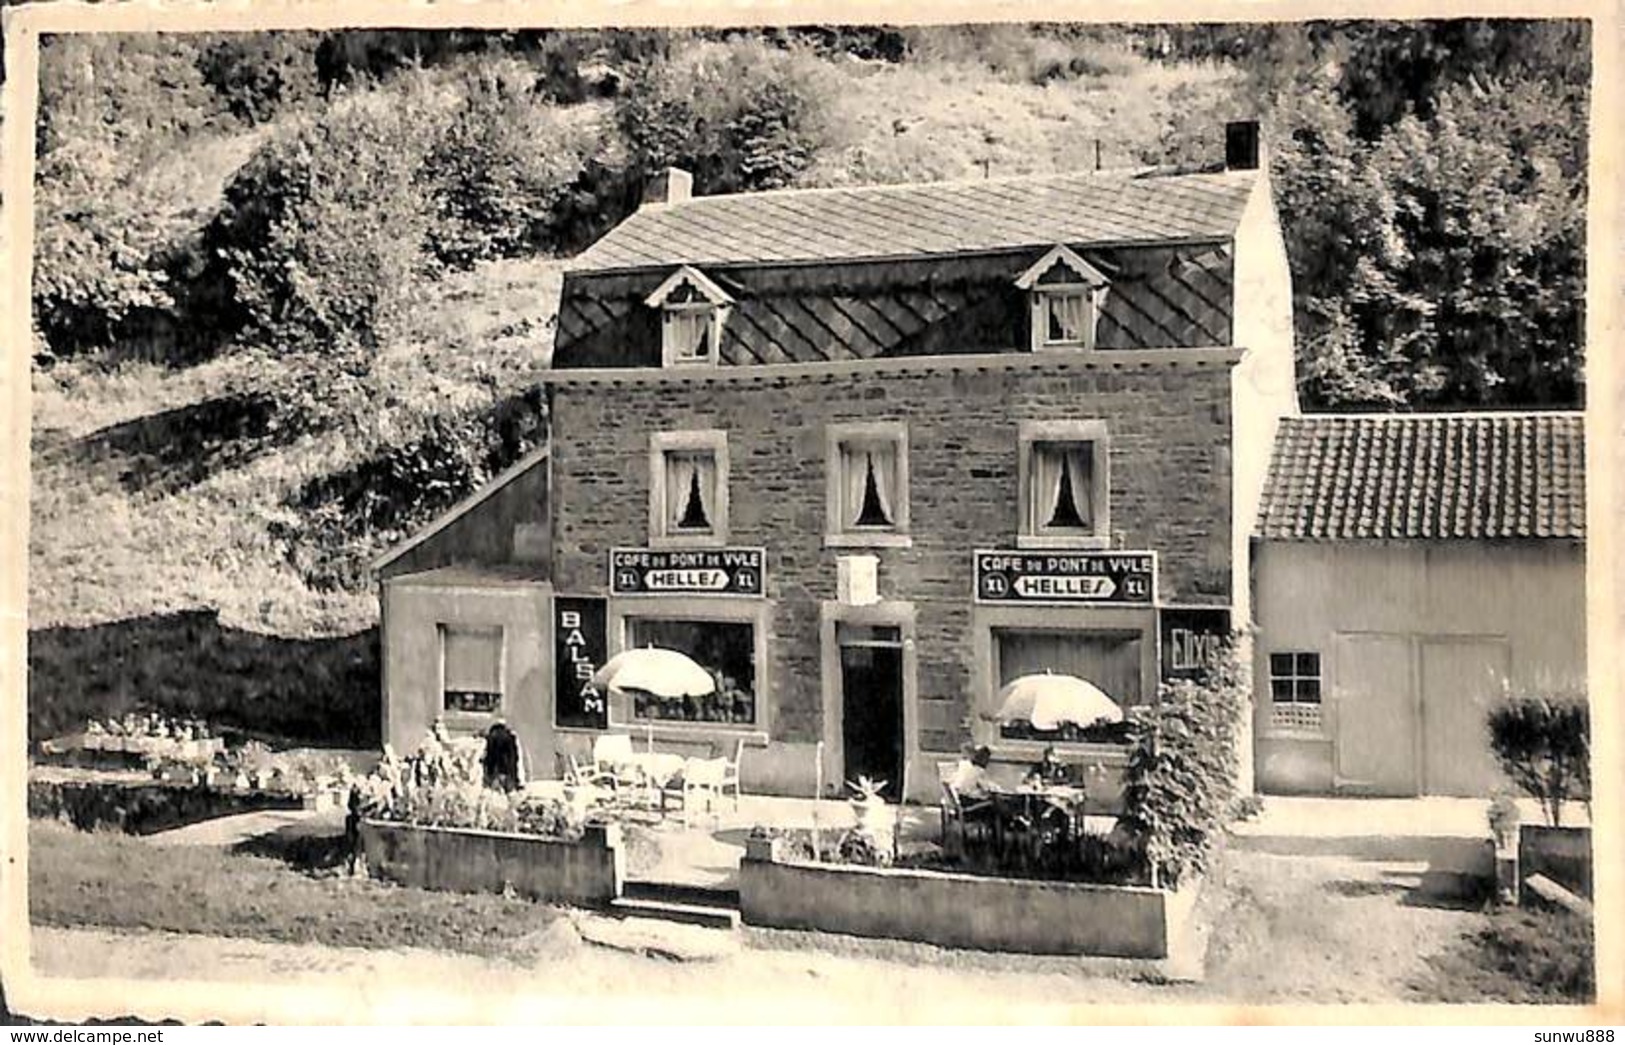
(950, 909)
(587, 872)
(1562, 854)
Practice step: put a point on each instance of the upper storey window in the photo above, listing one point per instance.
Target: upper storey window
(693, 311)
(1066, 294)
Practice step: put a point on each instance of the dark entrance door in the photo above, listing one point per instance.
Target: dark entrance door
(872, 704)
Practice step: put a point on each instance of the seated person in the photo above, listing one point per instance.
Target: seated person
(970, 777)
(1050, 771)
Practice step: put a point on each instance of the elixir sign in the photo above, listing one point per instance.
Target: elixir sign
(700, 571)
(580, 647)
(1190, 636)
(1067, 577)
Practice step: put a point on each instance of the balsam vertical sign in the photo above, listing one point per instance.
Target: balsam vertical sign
(580, 647)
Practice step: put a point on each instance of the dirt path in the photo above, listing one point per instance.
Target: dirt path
(1286, 929)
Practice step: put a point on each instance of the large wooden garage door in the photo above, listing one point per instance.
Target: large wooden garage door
(1460, 676)
(1376, 714)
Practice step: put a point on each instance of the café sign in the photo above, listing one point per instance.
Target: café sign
(1066, 577)
(685, 571)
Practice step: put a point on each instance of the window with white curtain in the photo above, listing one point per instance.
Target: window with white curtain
(688, 488)
(868, 483)
(691, 333)
(1065, 485)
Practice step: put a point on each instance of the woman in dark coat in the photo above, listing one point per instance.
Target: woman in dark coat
(501, 761)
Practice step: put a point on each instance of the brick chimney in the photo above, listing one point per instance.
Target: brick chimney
(672, 185)
(1243, 149)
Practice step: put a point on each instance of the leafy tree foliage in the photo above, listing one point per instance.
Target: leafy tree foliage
(740, 116)
(257, 75)
(503, 166)
(325, 232)
(1543, 743)
(1431, 183)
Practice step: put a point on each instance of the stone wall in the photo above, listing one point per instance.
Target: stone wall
(1169, 429)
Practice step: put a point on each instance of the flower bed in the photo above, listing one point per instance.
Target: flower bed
(586, 870)
(143, 807)
(954, 909)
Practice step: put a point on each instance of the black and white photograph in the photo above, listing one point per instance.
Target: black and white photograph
(900, 517)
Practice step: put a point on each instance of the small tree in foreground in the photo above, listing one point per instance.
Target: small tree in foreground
(1543, 743)
(1182, 777)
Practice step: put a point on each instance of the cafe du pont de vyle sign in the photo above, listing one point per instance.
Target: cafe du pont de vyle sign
(697, 571)
(1067, 577)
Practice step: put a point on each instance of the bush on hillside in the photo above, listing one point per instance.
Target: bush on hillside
(1543, 743)
(504, 165)
(325, 232)
(741, 116)
(349, 517)
(258, 75)
(1521, 956)
(1181, 783)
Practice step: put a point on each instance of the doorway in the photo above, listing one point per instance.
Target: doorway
(871, 679)
(1376, 714)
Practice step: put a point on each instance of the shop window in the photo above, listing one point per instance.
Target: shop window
(867, 491)
(693, 311)
(1065, 295)
(1295, 691)
(471, 669)
(1112, 660)
(1064, 486)
(726, 649)
(688, 488)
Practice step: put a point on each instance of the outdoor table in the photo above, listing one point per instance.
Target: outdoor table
(1032, 803)
(657, 769)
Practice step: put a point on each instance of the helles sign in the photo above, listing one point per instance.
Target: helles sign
(1067, 577)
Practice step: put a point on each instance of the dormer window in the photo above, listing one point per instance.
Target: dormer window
(693, 311)
(1066, 295)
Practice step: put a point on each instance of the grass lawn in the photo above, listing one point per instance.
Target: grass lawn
(117, 881)
(1521, 956)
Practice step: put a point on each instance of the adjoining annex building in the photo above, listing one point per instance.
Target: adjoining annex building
(1409, 569)
(867, 454)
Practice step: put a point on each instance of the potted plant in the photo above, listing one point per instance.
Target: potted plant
(875, 819)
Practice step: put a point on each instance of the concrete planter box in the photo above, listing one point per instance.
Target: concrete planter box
(1562, 854)
(588, 872)
(949, 909)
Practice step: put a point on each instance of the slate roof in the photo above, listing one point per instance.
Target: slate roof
(1422, 476)
(802, 225)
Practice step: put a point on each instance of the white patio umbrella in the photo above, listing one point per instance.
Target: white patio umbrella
(661, 672)
(1048, 701)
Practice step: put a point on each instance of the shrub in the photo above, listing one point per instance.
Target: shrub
(325, 232)
(1542, 741)
(346, 518)
(740, 116)
(1181, 777)
(501, 168)
(258, 75)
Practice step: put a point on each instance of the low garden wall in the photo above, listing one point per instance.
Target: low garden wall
(143, 807)
(963, 910)
(1562, 854)
(588, 872)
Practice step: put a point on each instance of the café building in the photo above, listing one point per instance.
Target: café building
(867, 454)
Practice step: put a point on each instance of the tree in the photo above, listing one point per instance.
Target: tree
(325, 233)
(1543, 743)
(740, 116)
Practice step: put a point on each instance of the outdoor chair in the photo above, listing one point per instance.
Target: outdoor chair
(702, 777)
(612, 760)
(961, 821)
(585, 774)
(730, 773)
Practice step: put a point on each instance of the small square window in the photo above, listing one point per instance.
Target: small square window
(1295, 687)
(867, 494)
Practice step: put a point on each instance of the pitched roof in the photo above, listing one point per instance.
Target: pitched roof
(1427, 476)
(922, 219)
